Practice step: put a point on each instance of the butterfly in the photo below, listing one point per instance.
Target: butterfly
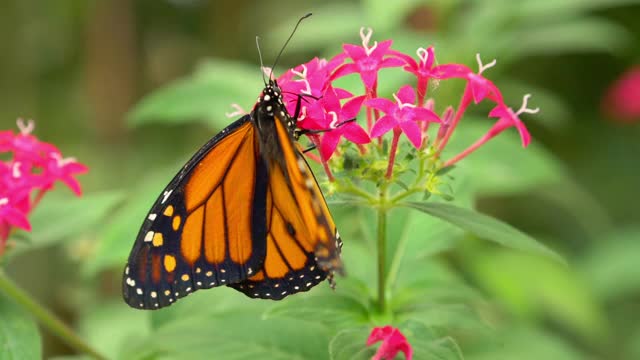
(245, 211)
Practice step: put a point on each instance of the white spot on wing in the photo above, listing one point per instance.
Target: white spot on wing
(166, 196)
(152, 217)
(149, 236)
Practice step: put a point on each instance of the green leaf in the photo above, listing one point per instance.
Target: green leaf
(204, 96)
(583, 35)
(611, 266)
(428, 343)
(522, 343)
(116, 319)
(119, 233)
(332, 310)
(331, 25)
(235, 334)
(502, 166)
(62, 216)
(19, 336)
(386, 15)
(533, 287)
(349, 344)
(485, 227)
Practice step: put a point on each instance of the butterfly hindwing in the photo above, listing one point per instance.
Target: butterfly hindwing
(302, 242)
(207, 228)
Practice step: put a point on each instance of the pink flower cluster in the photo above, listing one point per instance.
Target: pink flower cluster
(31, 170)
(329, 108)
(622, 100)
(393, 342)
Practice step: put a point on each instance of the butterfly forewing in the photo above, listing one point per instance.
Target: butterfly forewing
(245, 211)
(192, 238)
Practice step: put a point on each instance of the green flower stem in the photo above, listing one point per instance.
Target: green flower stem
(382, 244)
(382, 209)
(45, 317)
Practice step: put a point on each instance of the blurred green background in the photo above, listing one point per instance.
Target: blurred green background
(84, 70)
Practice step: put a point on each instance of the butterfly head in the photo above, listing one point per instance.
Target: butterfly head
(271, 99)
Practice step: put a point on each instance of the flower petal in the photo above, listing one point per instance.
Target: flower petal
(382, 104)
(329, 143)
(369, 78)
(383, 126)
(355, 52)
(448, 71)
(407, 95)
(343, 70)
(426, 114)
(381, 49)
(352, 107)
(412, 130)
(355, 133)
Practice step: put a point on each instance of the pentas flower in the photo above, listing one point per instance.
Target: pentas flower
(31, 171)
(309, 80)
(338, 120)
(622, 100)
(25, 147)
(421, 68)
(393, 342)
(478, 87)
(367, 59)
(402, 114)
(327, 114)
(62, 169)
(506, 118)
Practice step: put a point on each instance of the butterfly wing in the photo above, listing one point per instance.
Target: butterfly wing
(303, 246)
(207, 228)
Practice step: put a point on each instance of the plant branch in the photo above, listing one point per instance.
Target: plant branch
(45, 317)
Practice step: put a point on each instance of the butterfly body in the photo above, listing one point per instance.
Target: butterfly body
(245, 211)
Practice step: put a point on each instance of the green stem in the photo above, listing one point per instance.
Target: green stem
(382, 249)
(45, 317)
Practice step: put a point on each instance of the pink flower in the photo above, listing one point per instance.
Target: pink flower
(310, 80)
(507, 118)
(421, 69)
(59, 169)
(402, 114)
(622, 99)
(478, 87)
(392, 343)
(367, 60)
(12, 216)
(26, 147)
(337, 121)
(33, 168)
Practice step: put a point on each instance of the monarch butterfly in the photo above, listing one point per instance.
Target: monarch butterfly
(245, 211)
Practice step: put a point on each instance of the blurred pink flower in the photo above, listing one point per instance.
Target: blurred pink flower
(393, 342)
(622, 100)
(34, 167)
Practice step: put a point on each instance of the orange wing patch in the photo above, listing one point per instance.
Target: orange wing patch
(302, 244)
(209, 226)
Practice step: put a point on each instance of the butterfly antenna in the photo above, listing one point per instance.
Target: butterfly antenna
(287, 42)
(261, 62)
